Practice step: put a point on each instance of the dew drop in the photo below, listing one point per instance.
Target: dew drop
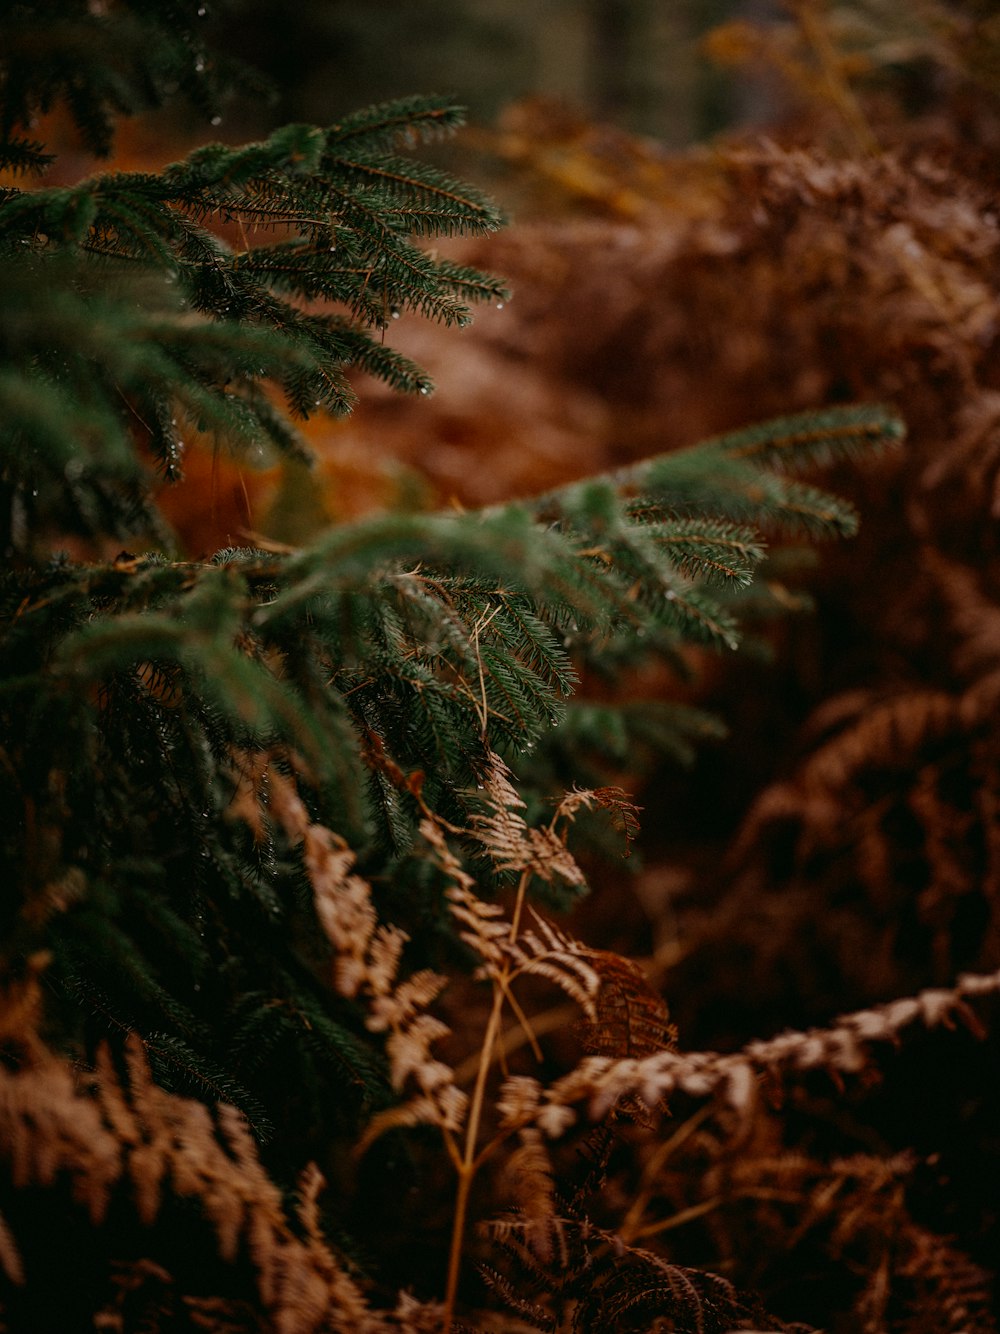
(395, 312)
(425, 389)
(216, 120)
(499, 305)
(199, 65)
(201, 11)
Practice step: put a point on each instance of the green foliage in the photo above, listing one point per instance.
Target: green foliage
(129, 322)
(143, 698)
(99, 62)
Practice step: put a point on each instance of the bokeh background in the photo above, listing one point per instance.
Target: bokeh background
(637, 63)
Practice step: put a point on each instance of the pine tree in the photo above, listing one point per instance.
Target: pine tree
(149, 698)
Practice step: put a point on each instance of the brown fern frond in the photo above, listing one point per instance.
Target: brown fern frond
(412, 1316)
(548, 857)
(527, 1175)
(446, 1109)
(550, 953)
(885, 736)
(949, 1293)
(765, 1200)
(624, 812)
(502, 830)
(528, 1180)
(395, 1008)
(343, 905)
(510, 842)
(972, 610)
(342, 898)
(408, 1049)
(21, 1013)
(367, 955)
(640, 1290)
(586, 1279)
(538, 1267)
(845, 1047)
(47, 1130)
(248, 803)
(894, 812)
(517, 1100)
(631, 1018)
(511, 1296)
(482, 925)
(135, 1142)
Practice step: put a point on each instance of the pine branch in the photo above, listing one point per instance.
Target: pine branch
(190, 324)
(811, 438)
(21, 155)
(406, 119)
(101, 65)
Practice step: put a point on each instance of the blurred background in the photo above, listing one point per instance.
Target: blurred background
(637, 63)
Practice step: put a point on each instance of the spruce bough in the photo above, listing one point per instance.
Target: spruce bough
(212, 305)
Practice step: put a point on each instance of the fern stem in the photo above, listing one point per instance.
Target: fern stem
(514, 1037)
(631, 1227)
(470, 1162)
(526, 1026)
(467, 1167)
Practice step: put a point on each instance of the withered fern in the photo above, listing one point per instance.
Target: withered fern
(266, 808)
